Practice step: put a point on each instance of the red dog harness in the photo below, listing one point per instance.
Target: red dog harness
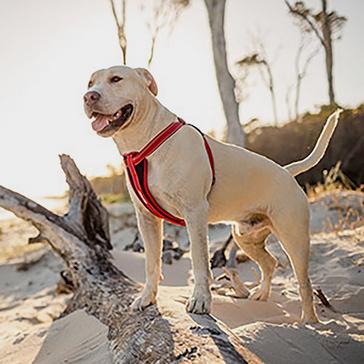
(137, 169)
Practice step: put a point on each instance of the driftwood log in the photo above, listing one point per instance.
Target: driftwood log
(82, 239)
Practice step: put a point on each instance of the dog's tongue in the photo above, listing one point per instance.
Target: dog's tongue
(100, 122)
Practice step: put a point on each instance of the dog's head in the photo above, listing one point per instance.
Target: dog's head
(114, 95)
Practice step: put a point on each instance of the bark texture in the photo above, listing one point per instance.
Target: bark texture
(157, 335)
(226, 83)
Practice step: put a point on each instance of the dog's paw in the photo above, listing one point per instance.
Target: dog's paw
(200, 302)
(310, 318)
(260, 293)
(146, 299)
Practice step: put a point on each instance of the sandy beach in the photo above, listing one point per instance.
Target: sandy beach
(31, 330)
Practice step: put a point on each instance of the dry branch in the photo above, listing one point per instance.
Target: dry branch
(241, 291)
(120, 26)
(320, 295)
(81, 238)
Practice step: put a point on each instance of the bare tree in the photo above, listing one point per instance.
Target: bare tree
(326, 26)
(241, 77)
(302, 62)
(260, 61)
(82, 239)
(166, 13)
(225, 81)
(287, 99)
(163, 14)
(120, 26)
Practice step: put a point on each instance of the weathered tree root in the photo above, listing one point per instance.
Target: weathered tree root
(82, 239)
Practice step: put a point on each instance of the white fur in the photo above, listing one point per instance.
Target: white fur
(254, 194)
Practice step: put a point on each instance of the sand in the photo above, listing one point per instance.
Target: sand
(78, 338)
(29, 304)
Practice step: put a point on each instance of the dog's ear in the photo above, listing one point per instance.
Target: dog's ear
(149, 80)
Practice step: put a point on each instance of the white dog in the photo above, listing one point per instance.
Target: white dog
(251, 192)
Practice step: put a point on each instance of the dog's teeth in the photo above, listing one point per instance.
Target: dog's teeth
(115, 116)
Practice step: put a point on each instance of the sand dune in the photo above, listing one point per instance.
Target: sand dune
(29, 304)
(77, 338)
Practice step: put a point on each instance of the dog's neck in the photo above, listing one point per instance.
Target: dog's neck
(147, 122)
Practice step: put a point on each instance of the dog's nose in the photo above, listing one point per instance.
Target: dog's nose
(91, 97)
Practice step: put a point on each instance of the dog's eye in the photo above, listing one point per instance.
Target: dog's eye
(115, 79)
(89, 84)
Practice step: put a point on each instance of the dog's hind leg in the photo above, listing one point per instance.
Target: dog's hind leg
(293, 233)
(253, 244)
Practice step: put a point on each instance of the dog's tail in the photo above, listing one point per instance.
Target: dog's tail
(319, 150)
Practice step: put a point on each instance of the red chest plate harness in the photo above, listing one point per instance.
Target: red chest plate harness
(137, 169)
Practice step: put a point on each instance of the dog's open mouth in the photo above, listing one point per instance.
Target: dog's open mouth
(105, 124)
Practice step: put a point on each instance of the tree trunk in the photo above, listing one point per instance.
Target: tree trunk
(329, 58)
(226, 83)
(298, 79)
(272, 93)
(120, 27)
(297, 98)
(274, 106)
(81, 238)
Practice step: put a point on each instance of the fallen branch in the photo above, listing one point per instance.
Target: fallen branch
(241, 291)
(218, 260)
(82, 239)
(320, 295)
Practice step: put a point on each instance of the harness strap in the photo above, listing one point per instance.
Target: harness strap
(137, 169)
(208, 150)
(138, 180)
(157, 141)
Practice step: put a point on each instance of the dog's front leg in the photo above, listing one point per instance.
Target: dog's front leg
(196, 221)
(150, 228)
